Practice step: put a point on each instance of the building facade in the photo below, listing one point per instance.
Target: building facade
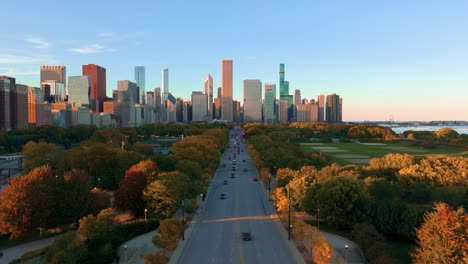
(252, 101)
(141, 83)
(199, 106)
(333, 108)
(97, 79)
(56, 73)
(78, 91)
(226, 90)
(269, 103)
(208, 85)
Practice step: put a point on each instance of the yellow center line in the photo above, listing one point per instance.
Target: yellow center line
(241, 254)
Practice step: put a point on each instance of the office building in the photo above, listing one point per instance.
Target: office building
(158, 108)
(19, 106)
(97, 79)
(140, 82)
(307, 112)
(252, 101)
(217, 108)
(236, 111)
(171, 115)
(226, 90)
(297, 97)
(208, 85)
(333, 108)
(321, 107)
(53, 91)
(78, 91)
(55, 73)
(131, 88)
(269, 103)
(6, 87)
(199, 106)
(35, 99)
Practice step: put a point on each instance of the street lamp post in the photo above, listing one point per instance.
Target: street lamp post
(289, 217)
(146, 211)
(183, 222)
(318, 216)
(346, 252)
(125, 254)
(269, 188)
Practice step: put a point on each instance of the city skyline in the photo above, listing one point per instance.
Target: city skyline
(404, 60)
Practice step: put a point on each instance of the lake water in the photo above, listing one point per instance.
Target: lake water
(401, 129)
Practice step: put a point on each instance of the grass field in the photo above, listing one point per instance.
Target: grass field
(361, 153)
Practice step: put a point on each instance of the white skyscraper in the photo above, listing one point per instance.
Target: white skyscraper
(208, 83)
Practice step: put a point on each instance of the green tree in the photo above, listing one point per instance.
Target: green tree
(38, 154)
(443, 237)
(99, 200)
(92, 227)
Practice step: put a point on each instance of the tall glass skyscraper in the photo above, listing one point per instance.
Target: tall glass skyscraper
(140, 81)
(282, 89)
(269, 103)
(252, 101)
(226, 90)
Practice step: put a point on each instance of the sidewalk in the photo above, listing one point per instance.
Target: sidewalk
(16, 252)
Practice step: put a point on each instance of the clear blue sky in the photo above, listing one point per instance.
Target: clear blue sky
(408, 59)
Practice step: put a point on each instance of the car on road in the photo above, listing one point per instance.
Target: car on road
(225, 182)
(244, 169)
(243, 160)
(232, 175)
(222, 196)
(246, 236)
(224, 165)
(233, 168)
(254, 179)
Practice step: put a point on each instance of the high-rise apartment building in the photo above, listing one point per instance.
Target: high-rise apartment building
(208, 85)
(35, 99)
(78, 91)
(252, 101)
(217, 108)
(55, 73)
(236, 111)
(333, 108)
(165, 93)
(97, 78)
(321, 107)
(282, 88)
(199, 106)
(285, 108)
(158, 106)
(307, 112)
(226, 90)
(269, 103)
(140, 82)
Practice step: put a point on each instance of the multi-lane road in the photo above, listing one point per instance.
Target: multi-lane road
(217, 235)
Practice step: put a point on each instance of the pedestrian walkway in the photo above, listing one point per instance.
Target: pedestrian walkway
(16, 252)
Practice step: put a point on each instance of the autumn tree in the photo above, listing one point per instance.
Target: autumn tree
(68, 248)
(373, 243)
(443, 236)
(129, 196)
(159, 257)
(163, 195)
(24, 204)
(169, 232)
(75, 202)
(317, 243)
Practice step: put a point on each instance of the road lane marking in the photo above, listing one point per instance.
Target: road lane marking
(241, 254)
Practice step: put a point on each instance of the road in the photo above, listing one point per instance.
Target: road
(216, 238)
(5, 176)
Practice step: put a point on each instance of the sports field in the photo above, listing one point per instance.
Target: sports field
(361, 153)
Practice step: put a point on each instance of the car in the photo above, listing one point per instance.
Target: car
(246, 236)
(254, 179)
(233, 168)
(222, 196)
(243, 160)
(244, 169)
(225, 182)
(224, 165)
(232, 175)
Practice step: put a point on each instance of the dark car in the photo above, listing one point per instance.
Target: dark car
(254, 179)
(244, 169)
(246, 236)
(225, 182)
(232, 175)
(222, 196)
(233, 168)
(224, 165)
(243, 160)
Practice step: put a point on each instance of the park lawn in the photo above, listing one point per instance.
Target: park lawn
(376, 150)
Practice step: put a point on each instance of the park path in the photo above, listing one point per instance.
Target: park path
(15, 252)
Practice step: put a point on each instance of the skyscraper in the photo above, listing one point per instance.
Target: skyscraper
(165, 83)
(297, 97)
(199, 106)
(226, 90)
(78, 90)
(97, 79)
(321, 107)
(140, 82)
(269, 103)
(208, 84)
(283, 90)
(19, 106)
(284, 112)
(252, 101)
(6, 87)
(56, 73)
(131, 87)
(333, 108)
